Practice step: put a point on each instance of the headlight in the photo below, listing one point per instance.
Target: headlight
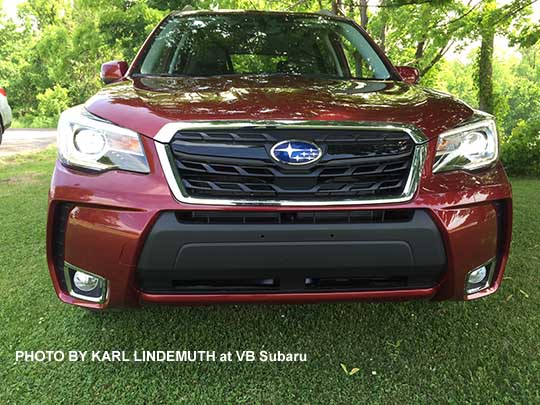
(88, 142)
(469, 147)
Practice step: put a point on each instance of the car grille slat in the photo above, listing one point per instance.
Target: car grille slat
(237, 164)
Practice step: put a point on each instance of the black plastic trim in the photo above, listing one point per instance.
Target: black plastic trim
(60, 220)
(183, 257)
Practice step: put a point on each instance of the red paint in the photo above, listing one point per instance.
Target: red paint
(113, 71)
(115, 210)
(288, 298)
(409, 74)
(164, 100)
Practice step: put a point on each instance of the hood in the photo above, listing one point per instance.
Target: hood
(145, 104)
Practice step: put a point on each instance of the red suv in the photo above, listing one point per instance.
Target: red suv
(273, 157)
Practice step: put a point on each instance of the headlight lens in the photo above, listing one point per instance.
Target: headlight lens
(469, 147)
(87, 142)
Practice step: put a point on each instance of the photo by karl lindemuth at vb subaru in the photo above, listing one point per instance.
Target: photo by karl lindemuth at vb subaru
(273, 157)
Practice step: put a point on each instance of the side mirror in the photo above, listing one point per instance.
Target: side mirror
(409, 74)
(113, 71)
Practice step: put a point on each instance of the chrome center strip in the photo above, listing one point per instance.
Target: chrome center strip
(166, 134)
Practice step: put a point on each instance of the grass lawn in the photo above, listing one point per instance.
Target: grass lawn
(482, 351)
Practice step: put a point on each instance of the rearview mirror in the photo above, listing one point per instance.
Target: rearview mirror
(113, 71)
(409, 74)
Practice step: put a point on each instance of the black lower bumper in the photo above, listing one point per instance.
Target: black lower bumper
(188, 257)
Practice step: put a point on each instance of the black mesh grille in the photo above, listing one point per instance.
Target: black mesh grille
(355, 164)
(299, 217)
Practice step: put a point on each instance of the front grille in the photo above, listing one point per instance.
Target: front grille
(236, 164)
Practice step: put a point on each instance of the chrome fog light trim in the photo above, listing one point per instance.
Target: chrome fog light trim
(480, 278)
(80, 288)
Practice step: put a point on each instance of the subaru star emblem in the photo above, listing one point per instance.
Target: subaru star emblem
(295, 152)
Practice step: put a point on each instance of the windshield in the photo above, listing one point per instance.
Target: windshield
(261, 44)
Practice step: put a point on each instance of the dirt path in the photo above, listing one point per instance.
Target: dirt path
(17, 141)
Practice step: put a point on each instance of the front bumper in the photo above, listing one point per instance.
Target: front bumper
(124, 227)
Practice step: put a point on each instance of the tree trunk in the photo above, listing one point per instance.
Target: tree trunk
(382, 37)
(364, 19)
(337, 7)
(485, 72)
(485, 60)
(419, 54)
(382, 32)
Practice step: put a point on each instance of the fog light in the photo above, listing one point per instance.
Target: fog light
(478, 275)
(480, 278)
(85, 282)
(84, 285)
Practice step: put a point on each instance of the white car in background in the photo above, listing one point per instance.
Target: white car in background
(5, 113)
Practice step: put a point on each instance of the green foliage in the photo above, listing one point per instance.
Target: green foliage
(54, 52)
(51, 103)
(125, 29)
(420, 34)
(521, 150)
(456, 78)
(517, 90)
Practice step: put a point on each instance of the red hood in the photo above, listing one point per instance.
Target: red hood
(146, 104)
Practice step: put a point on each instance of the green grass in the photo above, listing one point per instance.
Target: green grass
(484, 351)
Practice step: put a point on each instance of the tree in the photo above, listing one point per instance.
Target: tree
(420, 33)
(485, 58)
(492, 20)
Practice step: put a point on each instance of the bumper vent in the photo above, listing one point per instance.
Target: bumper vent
(61, 214)
(231, 285)
(356, 283)
(273, 284)
(299, 217)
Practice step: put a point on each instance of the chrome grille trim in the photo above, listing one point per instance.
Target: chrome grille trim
(166, 134)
